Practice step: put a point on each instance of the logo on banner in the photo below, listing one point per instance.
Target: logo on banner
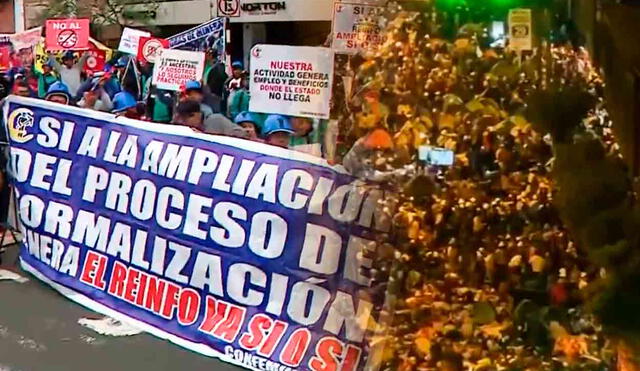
(67, 39)
(256, 52)
(19, 125)
(91, 62)
(151, 49)
(229, 8)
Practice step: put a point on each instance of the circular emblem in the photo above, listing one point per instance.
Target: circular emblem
(67, 39)
(20, 123)
(151, 49)
(92, 62)
(228, 7)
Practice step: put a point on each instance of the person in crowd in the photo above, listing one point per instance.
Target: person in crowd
(188, 113)
(249, 122)
(160, 104)
(277, 131)
(232, 83)
(111, 84)
(237, 71)
(121, 67)
(58, 93)
(46, 79)
(361, 160)
(193, 91)
(70, 72)
(309, 135)
(215, 78)
(20, 88)
(238, 97)
(96, 98)
(219, 124)
(125, 104)
(21, 77)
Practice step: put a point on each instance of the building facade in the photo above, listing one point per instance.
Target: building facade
(8, 16)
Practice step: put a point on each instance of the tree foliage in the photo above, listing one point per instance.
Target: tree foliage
(105, 12)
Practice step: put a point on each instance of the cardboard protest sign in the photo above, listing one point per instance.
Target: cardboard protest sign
(149, 48)
(26, 39)
(174, 68)
(291, 80)
(230, 248)
(24, 44)
(209, 35)
(357, 27)
(520, 29)
(67, 34)
(130, 39)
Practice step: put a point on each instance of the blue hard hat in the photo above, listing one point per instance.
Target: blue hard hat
(68, 55)
(58, 88)
(237, 64)
(246, 116)
(277, 123)
(49, 63)
(123, 101)
(192, 85)
(122, 62)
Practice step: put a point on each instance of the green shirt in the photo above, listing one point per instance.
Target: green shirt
(315, 136)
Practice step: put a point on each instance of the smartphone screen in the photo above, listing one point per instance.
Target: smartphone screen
(436, 156)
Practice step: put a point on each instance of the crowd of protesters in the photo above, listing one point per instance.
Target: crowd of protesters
(217, 104)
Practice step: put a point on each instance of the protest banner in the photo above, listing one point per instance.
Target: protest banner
(291, 80)
(175, 67)
(67, 34)
(231, 248)
(24, 44)
(520, 29)
(130, 39)
(26, 39)
(357, 27)
(209, 35)
(149, 48)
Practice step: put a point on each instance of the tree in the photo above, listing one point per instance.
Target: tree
(105, 12)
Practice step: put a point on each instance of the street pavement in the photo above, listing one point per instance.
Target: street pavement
(39, 332)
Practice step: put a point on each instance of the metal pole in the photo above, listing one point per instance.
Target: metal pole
(18, 15)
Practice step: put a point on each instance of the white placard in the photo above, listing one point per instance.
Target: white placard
(520, 29)
(291, 80)
(174, 68)
(357, 27)
(129, 40)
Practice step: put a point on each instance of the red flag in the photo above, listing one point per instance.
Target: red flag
(67, 34)
(149, 48)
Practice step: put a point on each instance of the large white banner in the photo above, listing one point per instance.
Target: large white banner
(357, 27)
(175, 67)
(291, 80)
